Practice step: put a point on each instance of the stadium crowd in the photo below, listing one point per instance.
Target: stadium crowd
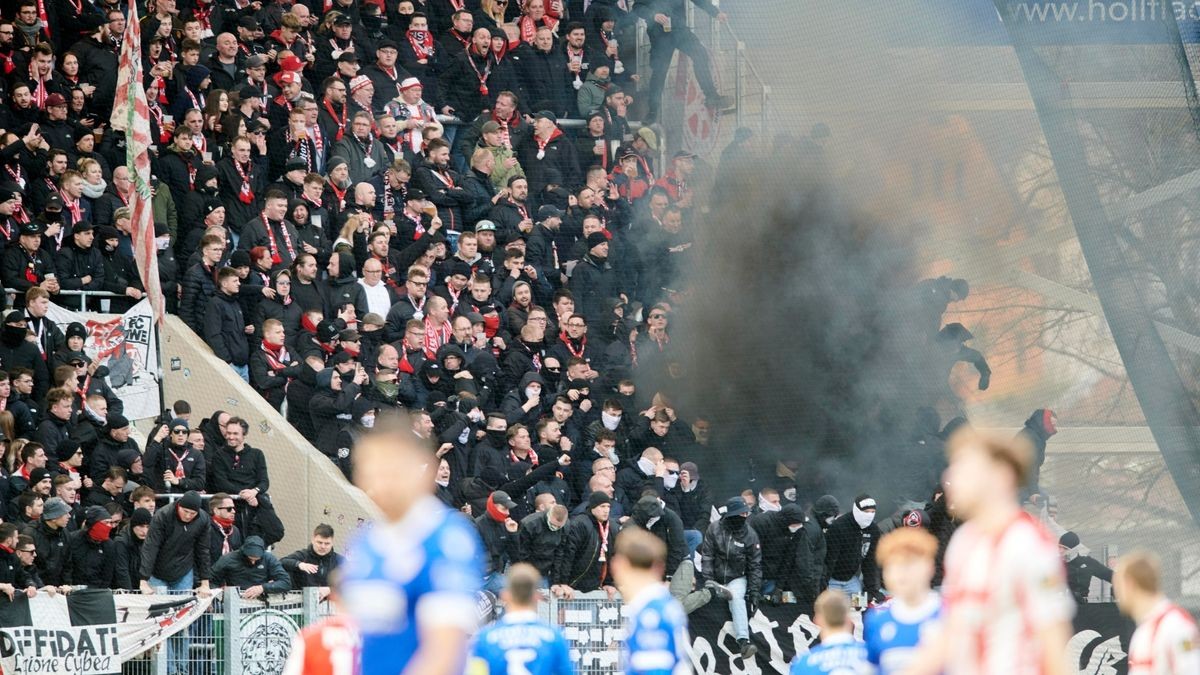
(508, 280)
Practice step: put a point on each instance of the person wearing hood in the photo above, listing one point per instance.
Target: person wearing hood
(18, 352)
(362, 413)
(331, 408)
(498, 531)
(731, 557)
(680, 571)
(127, 549)
(951, 349)
(1038, 429)
(793, 552)
(252, 569)
(204, 189)
(225, 328)
(524, 404)
(90, 559)
(342, 287)
(282, 308)
(593, 92)
(850, 545)
(130, 459)
(79, 265)
(1081, 567)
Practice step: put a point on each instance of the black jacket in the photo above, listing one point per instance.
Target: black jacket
(1080, 571)
(234, 570)
(74, 263)
(161, 457)
(11, 571)
(51, 552)
(250, 473)
(90, 563)
(1036, 434)
(577, 561)
(537, 543)
(592, 283)
(794, 559)
(325, 565)
(331, 412)
(51, 432)
(224, 332)
(727, 555)
(173, 548)
(500, 544)
(127, 551)
(666, 525)
(850, 549)
(198, 286)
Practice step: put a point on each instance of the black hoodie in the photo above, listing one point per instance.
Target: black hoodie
(1036, 432)
(345, 289)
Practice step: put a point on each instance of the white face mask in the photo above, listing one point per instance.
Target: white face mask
(829, 520)
(863, 518)
(790, 494)
(646, 466)
(162, 243)
(610, 422)
(476, 415)
(612, 456)
(530, 392)
(464, 436)
(445, 483)
(766, 506)
(670, 480)
(795, 527)
(368, 421)
(650, 523)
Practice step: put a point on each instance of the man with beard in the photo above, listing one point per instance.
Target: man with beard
(541, 249)
(470, 78)
(511, 214)
(97, 61)
(334, 197)
(442, 185)
(272, 230)
(365, 156)
(414, 220)
(242, 179)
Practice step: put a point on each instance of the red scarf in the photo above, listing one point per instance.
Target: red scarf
(245, 194)
(201, 12)
(529, 27)
(225, 527)
(340, 194)
(436, 336)
(532, 458)
(421, 42)
(495, 513)
(566, 340)
(541, 144)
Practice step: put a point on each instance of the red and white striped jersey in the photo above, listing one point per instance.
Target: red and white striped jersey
(328, 647)
(1001, 589)
(1165, 643)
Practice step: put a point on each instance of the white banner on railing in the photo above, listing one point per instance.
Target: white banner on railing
(89, 632)
(127, 345)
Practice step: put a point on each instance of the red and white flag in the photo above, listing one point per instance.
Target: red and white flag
(132, 115)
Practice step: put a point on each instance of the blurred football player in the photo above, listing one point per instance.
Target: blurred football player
(657, 629)
(520, 644)
(893, 631)
(1007, 608)
(410, 581)
(839, 653)
(327, 647)
(1166, 641)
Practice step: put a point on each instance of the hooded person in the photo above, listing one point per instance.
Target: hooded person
(253, 569)
(498, 531)
(342, 286)
(731, 557)
(1038, 429)
(850, 545)
(825, 510)
(17, 352)
(650, 514)
(525, 403)
(127, 547)
(90, 560)
(793, 551)
(1081, 567)
(331, 409)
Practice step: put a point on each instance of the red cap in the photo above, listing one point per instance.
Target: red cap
(286, 77)
(292, 63)
(55, 99)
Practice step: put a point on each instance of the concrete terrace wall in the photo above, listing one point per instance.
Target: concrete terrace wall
(305, 487)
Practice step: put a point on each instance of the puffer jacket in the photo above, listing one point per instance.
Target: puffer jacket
(727, 555)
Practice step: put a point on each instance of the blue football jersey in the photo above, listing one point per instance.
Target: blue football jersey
(520, 644)
(423, 570)
(658, 637)
(893, 632)
(839, 655)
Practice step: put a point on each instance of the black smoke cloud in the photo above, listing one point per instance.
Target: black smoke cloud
(802, 341)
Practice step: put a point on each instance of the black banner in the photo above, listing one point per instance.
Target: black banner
(1099, 646)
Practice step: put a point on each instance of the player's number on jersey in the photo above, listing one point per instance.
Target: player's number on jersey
(519, 660)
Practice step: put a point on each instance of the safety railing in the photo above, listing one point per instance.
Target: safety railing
(83, 296)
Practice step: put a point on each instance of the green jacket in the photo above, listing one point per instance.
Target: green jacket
(591, 94)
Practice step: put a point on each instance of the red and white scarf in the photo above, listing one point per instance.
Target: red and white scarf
(245, 194)
(287, 241)
(421, 42)
(541, 144)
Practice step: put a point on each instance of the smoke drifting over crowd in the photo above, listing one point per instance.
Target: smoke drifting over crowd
(805, 342)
